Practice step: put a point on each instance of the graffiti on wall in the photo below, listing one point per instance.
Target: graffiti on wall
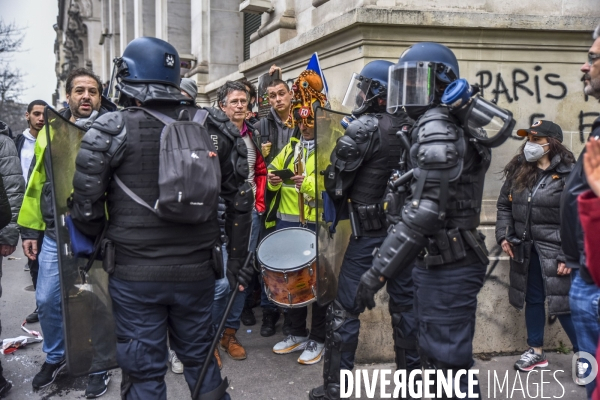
(522, 85)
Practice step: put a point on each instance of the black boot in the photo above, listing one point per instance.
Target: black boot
(270, 318)
(248, 318)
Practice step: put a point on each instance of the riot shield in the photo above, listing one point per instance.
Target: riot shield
(89, 328)
(331, 243)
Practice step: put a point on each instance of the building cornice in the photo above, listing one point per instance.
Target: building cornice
(397, 17)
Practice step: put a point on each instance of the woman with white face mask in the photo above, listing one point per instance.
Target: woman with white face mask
(528, 229)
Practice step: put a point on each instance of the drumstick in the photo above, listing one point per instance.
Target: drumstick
(213, 345)
(299, 170)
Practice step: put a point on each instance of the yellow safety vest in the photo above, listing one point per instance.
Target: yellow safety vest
(30, 215)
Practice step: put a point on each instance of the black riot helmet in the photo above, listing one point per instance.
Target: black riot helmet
(149, 60)
(367, 87)
(420, 77)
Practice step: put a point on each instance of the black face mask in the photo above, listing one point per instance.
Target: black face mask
(416, 111)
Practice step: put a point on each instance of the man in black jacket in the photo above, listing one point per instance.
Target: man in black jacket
(584, 293)
(163, 275)
(12, 188)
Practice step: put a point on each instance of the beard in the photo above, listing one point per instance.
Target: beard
(77, 112)
(593, 87)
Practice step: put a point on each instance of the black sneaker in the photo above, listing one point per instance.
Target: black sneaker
(33, 317)
(287, 324)
(530, 360)
(47, 374)
(248, 317)
(270, 318)
(97, 385)
(5, 388)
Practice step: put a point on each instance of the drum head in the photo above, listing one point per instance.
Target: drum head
(287, 249)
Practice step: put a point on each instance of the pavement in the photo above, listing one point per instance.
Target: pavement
(263, 375)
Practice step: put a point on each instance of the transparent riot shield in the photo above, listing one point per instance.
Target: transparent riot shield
(331, 246)
(88, 324)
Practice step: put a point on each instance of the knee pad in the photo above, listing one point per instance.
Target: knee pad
(336, 317)
(402, 341)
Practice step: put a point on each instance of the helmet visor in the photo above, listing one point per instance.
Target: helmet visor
(358, 92)
(410, 84)
(488, 123)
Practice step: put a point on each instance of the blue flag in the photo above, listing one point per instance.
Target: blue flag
(314, 65)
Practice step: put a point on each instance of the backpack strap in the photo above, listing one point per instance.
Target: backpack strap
(130, 193)
(156, 114)
(200, 116)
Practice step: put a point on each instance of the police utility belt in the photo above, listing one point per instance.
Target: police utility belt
(451, 246)
(365, 218)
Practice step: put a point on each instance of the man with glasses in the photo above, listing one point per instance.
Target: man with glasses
(584, 293)
(230, 119)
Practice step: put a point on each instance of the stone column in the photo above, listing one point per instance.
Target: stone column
(161, 20)
(179, 25)
(126, 22)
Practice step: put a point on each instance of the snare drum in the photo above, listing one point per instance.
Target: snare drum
(288, 266)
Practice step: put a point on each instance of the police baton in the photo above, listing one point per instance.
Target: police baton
(213, 345)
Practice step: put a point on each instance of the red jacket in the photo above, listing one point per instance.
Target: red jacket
(589, 215)
(260, 174)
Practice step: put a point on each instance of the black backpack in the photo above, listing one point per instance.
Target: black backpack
(189, 173)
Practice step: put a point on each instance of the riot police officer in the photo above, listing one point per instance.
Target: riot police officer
(163, 275)
(450, 154)
(361, 164)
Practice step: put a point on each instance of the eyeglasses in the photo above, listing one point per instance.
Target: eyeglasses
(236, 103)
(592, 57)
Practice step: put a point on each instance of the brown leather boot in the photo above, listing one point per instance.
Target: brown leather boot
(230, 344)
(218, 357)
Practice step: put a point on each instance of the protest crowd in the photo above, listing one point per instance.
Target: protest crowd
(166, 224)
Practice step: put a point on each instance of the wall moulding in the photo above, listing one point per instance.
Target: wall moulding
(284, 22)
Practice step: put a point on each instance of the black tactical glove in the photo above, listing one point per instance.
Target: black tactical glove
(239, 271)
(370, 283)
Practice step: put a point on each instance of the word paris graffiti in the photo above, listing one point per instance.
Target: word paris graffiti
(522, 85)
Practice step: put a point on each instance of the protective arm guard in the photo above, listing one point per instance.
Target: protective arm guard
(349, 153)
(101, 151)
(407, 238)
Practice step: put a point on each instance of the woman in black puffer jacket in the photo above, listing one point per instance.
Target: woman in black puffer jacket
(528, 229)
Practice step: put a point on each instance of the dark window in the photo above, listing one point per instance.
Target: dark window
(251, 25)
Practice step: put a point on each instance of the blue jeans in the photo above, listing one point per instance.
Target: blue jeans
(535, 312)
(48, 299)
(584, 312)
(222, 285)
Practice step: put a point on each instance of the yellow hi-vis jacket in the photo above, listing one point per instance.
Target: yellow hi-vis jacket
(288, 195)
(30, 215)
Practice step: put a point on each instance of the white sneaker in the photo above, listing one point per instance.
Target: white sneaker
(312, 353)
(290, 344)
(580, 375)
(176, 365)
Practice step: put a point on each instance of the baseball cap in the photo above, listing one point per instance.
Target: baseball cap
(543, 128)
